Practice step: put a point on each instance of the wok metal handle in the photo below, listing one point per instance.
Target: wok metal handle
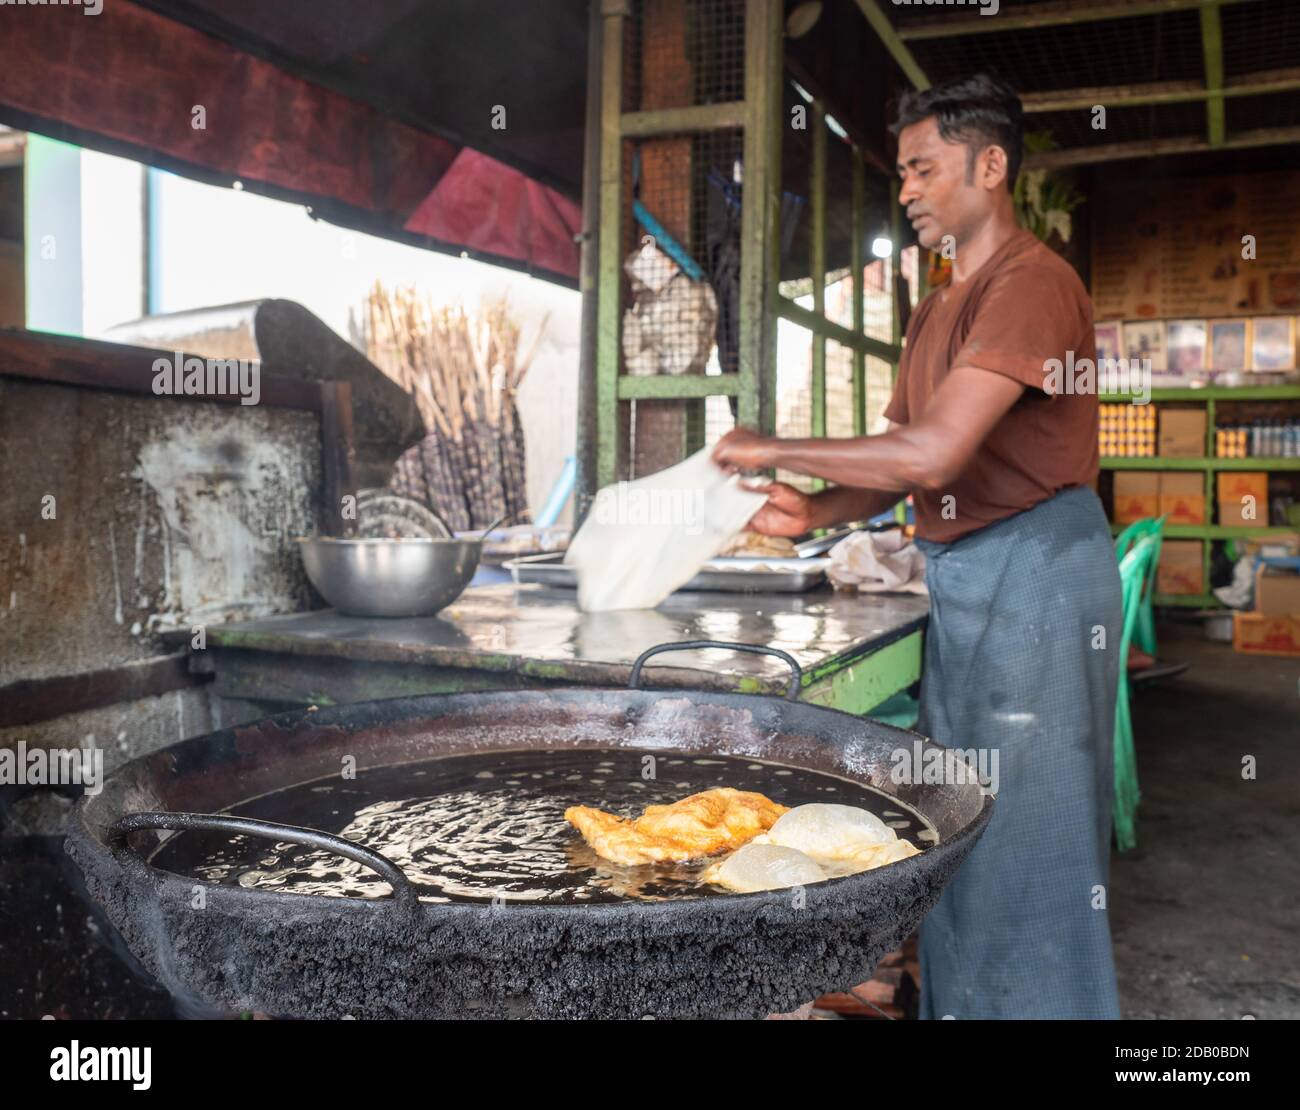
(403, 890)
(796, 678)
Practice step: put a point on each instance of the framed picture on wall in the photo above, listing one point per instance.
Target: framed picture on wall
(1185, 341)
(1273, 343)
(1229, 344)
(1109, 340)
(1145, 339)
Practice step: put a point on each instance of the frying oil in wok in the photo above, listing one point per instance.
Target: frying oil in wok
(490, 827)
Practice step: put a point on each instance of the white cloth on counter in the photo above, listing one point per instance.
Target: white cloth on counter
(878, 562)
(644, 539)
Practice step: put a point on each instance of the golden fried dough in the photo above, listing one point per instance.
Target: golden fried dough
(717, 820)
(756, 545)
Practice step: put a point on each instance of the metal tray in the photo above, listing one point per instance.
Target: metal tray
(721, 575)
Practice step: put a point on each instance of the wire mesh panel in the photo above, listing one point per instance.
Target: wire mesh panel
(880, 388)
(683, 262)
(718, 419)
(1254, 113)
(1162, 47)
(695, 238)
(910, 264)
(1155, 53)
(794, 388)
(1260, 36)
(685, 52)
(839, 209)
(1134, 123)
(839, 389)
(681, 243)
(878, 301)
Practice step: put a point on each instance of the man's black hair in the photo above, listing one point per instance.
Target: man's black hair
(980, 111)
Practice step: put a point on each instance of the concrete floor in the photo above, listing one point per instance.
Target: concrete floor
(1206, 911)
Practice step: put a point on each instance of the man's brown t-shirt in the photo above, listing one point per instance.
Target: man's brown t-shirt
(1023, 308)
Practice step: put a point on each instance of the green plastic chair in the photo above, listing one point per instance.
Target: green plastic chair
(1152, 526)
(1135, 569)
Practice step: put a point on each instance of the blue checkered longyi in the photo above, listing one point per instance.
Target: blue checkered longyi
(1011, 664)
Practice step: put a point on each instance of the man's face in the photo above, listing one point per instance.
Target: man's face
(935, 191)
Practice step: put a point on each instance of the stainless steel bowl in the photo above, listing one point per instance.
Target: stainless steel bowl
(390, 578)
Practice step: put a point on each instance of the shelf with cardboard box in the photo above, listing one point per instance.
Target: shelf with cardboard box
(1198, 478)
(1272, 626)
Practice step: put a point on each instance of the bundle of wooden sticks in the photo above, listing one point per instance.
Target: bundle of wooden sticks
(464, 370)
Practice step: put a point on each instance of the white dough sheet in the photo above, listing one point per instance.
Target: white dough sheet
(808, 844)
(644, 539)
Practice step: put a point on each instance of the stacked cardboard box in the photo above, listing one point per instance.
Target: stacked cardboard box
(1277, 593)
(1182, 497)
(1243, 498)
(1274, 626)
(1137, 495)
(1179, 495)
(1181, 571)
(1182, 433)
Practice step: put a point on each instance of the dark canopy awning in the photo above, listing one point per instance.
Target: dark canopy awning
(455, 125)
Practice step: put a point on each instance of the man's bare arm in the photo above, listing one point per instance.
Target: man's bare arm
(843, 504)
(927, 454)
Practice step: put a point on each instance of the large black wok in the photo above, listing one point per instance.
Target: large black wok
(317, 956)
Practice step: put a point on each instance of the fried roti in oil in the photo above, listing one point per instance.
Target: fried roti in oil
(718, 820)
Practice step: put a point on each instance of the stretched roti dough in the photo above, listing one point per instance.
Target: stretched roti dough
(644, 539)
(764, 867)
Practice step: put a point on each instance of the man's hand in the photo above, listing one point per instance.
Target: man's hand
(788, 512)
(742, 449)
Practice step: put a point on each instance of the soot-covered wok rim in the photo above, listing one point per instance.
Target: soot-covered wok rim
(125, 793)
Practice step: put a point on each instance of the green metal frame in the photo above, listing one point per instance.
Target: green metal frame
(815, 320)
(1033, 16)
(819, 325)
(760, 215)
(869, 682)
(608, 311)
(817, 268)
(857, 264)
(758, 114)
(1053, 13)
(1212, 47)
(893, 42)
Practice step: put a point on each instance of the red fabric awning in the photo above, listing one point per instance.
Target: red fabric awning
(133, 77)
(493, 208)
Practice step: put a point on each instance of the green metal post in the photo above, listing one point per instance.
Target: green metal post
(895, 270)
(857, 264)
(1212, 46)
(817, 271)
(897, 48)
(589, 273)
(896, 296)
(760, 218)
(613, 13)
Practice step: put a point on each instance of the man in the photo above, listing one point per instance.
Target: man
(1025, 613)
